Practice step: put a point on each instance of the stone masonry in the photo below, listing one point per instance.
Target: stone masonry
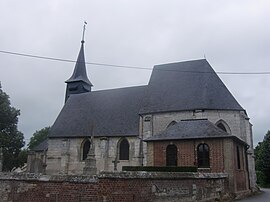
(68, 159)
(106, 152)
(124, 186)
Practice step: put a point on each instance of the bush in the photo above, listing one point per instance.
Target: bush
(261, 178)
(160, 168)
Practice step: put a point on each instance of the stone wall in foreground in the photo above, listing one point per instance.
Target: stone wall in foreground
(123, 186)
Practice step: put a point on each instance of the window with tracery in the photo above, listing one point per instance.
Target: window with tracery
(203, 156)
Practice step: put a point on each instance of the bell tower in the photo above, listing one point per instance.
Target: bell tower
(79, 82)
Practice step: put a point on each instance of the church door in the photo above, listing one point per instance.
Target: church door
(171, 155)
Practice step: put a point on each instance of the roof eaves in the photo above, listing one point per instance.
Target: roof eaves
(192, 138)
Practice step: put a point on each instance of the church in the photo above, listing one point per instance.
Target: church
(185, 116)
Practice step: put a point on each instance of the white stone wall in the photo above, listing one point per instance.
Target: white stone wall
(54, 156)
(65, 154)
(236, 120)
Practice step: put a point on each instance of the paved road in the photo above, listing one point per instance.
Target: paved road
(262, 197)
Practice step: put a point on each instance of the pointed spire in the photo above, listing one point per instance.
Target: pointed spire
(79, 82)
(79, 73)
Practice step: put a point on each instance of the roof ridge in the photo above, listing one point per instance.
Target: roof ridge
(122, 88)
(186, 61)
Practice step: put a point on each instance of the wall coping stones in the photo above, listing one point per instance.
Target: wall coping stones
(110, 175)
(48, 178)
(161, 175)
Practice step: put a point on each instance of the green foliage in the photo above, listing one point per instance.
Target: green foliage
(22, 157)
(258, 157)
(38, 137)
(160, 168)
(11, 140)
(262, 160)
(261, 178)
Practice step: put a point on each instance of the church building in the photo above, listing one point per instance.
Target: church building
(185, 116)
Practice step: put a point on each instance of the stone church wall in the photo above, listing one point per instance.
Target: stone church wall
(121, 187)
(65, 155)
(234, 119)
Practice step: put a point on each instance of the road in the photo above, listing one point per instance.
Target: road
(262, 197)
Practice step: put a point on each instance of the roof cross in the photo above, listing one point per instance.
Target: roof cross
(84, 26)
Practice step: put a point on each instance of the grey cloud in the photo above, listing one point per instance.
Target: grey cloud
(233, 35)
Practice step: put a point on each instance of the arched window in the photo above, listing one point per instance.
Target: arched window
(238, 157)
(171, 124)
(124, 150)
(203, 156)
(223, 126)
(171, 155)
(85, 149)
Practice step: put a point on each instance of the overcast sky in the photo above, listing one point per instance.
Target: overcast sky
(232, 35)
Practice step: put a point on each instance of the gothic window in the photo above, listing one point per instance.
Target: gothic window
(238, 157)
(124, 150)
(203, 156)
(171, 155)
(223, 126)
(172, 123)
(85, 149)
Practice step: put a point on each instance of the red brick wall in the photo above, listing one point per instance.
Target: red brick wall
(187, 156)
(160, 153)
(187, 153)
(105, 190)
(125, 187)
(216, 154)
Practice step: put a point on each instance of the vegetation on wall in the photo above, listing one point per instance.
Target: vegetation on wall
(262, 161)
(38, 137)
(11, 140)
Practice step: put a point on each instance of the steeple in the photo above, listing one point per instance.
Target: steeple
(79, 82)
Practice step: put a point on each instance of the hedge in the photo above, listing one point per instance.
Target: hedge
(160, 168)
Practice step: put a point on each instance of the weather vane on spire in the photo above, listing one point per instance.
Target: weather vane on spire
(85, 23)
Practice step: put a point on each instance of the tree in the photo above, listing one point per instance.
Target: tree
(262, 160)
(22, 157)
(11, 140)
(38, 137)
(258, 156)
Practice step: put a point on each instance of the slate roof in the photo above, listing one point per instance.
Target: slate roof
(187, 85)
(179, 86)
(42, 146)
(190, 129)
(79, 73)
(113, 112)
(193, 129)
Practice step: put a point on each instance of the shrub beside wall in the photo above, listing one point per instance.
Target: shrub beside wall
(160, 168)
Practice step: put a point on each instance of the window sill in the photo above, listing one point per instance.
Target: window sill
(204, 170)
